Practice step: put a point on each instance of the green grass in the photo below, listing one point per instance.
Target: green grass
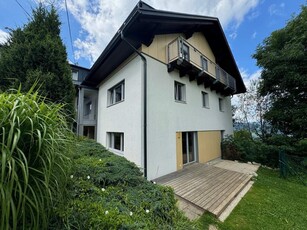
(272, 203)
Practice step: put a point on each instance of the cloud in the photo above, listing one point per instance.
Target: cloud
(100, 19)
(253, 15)
(254, 35)
(275, 9)
(3, 36)
(249, 77)
(233, 35)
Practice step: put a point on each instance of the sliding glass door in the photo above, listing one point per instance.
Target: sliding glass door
(188, 147)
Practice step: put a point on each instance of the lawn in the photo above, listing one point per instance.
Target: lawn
(272, 203)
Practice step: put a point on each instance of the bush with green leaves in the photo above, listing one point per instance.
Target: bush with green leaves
(33, 142)
(106, 191)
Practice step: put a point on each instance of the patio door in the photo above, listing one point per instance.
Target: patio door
(188, 147)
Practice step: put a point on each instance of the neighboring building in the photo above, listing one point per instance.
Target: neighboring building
(86, 104)
(164, 84)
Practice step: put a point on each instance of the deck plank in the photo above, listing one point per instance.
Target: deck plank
(206, 186)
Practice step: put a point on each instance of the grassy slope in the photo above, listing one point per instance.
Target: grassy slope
(272, 203)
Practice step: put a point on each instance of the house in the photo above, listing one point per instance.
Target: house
(162, 90)
(86, 122)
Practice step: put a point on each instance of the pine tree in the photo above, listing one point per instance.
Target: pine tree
(36, 53)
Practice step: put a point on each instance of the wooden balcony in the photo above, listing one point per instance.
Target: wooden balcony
(190, 61)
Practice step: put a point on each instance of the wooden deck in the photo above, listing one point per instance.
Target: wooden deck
(207, 187)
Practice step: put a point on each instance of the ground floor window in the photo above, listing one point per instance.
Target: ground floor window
(116, 141)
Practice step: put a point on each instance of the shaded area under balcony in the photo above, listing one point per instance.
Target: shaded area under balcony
(191, 62)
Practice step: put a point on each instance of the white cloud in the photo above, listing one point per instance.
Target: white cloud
(100, 19)
(233, 35)
(3, 36)
(254, 35)
(248, 77)
(275, 9)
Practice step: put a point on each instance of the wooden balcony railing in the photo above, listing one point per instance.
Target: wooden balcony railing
(185, 57)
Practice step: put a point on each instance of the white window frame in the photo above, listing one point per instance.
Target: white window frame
(221, 104)
(112, 99)
(75, 75)
(205, 99)
(179, 92)
(111, 142)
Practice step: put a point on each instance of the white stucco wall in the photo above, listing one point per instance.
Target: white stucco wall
(124, 116)
(166, 117)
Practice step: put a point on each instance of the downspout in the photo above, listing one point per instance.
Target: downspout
(145, 99)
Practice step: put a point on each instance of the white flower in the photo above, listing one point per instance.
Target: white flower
(88, 177)
(103, 189)
(106, 212)
(100, 160)
(130, 213)
(147, 211)
(71, 176)
(154, 182)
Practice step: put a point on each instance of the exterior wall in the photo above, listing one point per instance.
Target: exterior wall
(125, 116)
(209, 145)
(158, 50)
(199, 41)
(167, 117)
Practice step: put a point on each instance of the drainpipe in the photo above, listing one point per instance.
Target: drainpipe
(145, 99)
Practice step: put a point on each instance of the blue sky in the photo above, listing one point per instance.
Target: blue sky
(94, 22)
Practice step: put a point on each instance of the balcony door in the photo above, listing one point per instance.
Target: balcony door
(188, 147)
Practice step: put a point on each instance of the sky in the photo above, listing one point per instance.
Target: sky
(93, 23)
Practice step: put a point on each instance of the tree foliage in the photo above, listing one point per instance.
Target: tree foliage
(250, 109)
(283, 58)
(36, 53)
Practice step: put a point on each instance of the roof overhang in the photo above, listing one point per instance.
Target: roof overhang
(144, 22)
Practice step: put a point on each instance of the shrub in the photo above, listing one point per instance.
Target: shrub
(32, 161)
(106, 191)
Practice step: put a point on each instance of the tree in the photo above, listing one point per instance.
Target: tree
(250, 109)
(35, 53)
(283, 57)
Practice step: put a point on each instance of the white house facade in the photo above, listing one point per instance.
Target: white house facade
(164, 84)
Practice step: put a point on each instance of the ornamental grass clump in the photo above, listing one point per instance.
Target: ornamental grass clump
(33, 142)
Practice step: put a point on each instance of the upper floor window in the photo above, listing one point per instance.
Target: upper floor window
(75, 75)
(116, 141)
(185, 52)
(221, 104)
(179, 91)
(205, 98)
(117, 93)
(204, 63)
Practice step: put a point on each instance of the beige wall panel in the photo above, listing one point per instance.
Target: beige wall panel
(199, 41)
(157, 48)
(209, 145)
(179, 150)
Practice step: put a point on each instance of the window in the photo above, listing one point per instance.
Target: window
(117, 93)
(185, 52)
(204, 63)
(179, 91)
(116, 141)
(205, 98)
(75, 75)
(221, 104)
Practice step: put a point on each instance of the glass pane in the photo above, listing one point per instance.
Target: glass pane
(118, 93)
(184, 148)
(191, 147)
(117, 141)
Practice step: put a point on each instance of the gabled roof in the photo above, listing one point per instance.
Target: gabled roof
(144, 22)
